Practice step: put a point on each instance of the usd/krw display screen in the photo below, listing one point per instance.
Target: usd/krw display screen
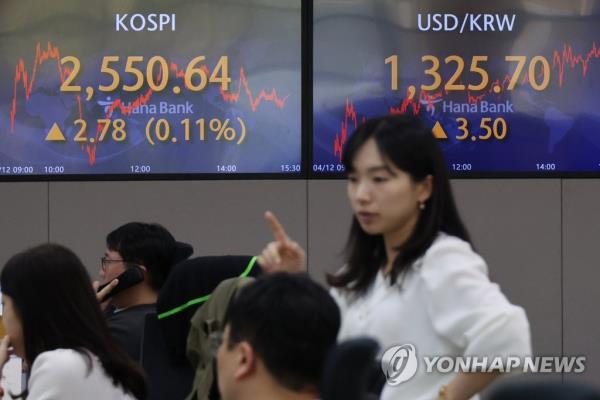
(150, 87)
(506, 86)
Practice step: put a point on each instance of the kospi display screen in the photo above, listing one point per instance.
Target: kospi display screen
(93, 88)
(508, 87)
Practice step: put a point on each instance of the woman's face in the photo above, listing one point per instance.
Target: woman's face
(13, 326)
(384, 198)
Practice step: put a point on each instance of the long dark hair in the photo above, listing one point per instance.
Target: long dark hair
(410, 146)
(57, 306)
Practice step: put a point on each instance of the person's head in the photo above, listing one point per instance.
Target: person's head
(278, 332)
(150, 246)
(49, 304)
(400, 193)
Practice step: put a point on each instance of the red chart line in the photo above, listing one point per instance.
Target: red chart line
(26, 79)
(563, 60)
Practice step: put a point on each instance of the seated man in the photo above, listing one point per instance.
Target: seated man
(277, 335)
(151, 248)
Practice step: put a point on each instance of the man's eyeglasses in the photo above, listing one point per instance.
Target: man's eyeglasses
(105, 262)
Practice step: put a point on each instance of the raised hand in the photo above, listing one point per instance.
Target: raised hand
(283, 254)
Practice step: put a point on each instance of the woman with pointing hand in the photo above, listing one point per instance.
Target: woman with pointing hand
(411, 276)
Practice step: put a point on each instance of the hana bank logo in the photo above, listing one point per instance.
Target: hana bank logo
(399, 363)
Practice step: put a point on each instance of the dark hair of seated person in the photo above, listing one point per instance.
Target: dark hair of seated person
(291, 322)
(53, 295)
(150, 245)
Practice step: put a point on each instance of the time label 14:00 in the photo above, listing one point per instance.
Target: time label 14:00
(196, 75)
(538, 73)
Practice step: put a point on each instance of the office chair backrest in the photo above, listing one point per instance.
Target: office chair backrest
(190, 284)
(166, 379)
(545, 391)
(183, 251)
(348, 370)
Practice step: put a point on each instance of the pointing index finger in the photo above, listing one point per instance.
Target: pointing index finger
(276, 227)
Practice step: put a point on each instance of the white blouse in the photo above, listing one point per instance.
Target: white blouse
(63, 374)
(445, 306)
